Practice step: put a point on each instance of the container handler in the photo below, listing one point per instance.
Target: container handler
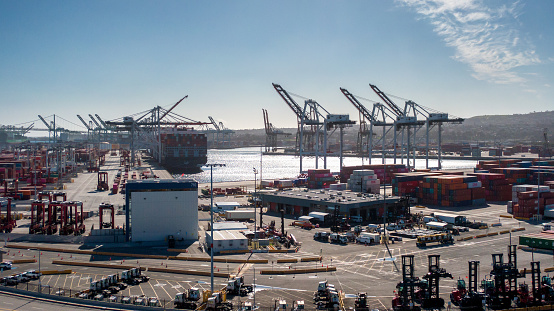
(7, 222)
(360, 304)
(236, 286)
(37, 220)
(110, 208)
(188, 299)
(298, 305)
(217, 302)
(280, 305)
(102, 182)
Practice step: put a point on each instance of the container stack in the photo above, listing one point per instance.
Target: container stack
(529, 200)
(320, 178)
(406, 184)
(450, 190)
(514, 175)
(497, 187)
(385, 173)
(364, 181)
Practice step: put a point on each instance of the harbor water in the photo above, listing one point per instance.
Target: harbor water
(240, 164)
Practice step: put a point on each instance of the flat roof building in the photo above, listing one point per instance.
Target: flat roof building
(157, 208)
(300, 202)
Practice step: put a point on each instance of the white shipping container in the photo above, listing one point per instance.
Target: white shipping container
(509, 210)
(510, 204)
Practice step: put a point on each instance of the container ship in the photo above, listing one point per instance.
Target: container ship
(184, 150)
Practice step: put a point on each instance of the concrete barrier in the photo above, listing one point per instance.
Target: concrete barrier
(16, 261)
(307, 259)
(298, 271)
(480, 236)
(492, 233)
(504, 231)
(287, 260)
(506, 216)
(226, 260)
(52, 272)
(518, 229)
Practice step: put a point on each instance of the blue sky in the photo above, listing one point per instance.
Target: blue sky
(116, 58)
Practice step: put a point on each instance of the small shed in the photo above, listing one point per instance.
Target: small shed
(225, 240)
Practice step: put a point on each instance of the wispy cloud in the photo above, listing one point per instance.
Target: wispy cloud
(486, 39)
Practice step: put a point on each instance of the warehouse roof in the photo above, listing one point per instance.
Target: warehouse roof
(345, 199)
(227, 235)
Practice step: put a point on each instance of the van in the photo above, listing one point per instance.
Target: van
(356, 219)
(372, 227)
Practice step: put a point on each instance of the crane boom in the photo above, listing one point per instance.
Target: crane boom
(288, 99)
(387, 100)
(93, 120)
(83, 121)
(177, 103)
(102, 122)
(266, 122)
(45, 123)
(214, 123)
(361, 108)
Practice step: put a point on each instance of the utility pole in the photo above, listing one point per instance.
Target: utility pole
(211, 166)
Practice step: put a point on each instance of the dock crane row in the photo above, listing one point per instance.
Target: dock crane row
(271, 133)
(314, 126)
(405, 121)
(145, 130)
(220, 135)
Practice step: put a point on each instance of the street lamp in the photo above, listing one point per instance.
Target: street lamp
(211, 166)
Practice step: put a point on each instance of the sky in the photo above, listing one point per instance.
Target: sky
(119, 58)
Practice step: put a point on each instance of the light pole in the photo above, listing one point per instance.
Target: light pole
(255, 236)
(255, 200)
(211, 166)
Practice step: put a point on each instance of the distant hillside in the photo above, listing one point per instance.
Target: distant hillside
(524, 128)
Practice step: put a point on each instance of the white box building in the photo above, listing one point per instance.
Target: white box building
(225, 240)
(157, 208)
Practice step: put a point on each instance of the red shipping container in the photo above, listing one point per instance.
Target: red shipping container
(527, 195)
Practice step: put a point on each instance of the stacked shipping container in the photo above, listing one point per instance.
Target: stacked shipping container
(363, 181)
(320, 178)
(497, 188)
(451, 190)
(385, 173)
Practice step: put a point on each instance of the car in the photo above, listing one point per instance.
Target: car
(99, 297)
(11, 280)
(60, 293)
(113, 298)
(6, 265)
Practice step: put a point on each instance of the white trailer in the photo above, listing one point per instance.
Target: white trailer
(240, 214)
(450, 218)
(321, 218)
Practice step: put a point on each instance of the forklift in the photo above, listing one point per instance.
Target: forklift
(432, 299)
(404, 299)
(360, 304)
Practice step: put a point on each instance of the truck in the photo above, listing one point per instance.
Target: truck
(217, 303)
(368, 238)
(240, 214)
(427, 219)
(450, 218)
(188, 299)
(303, 224)
(338, 238)
(236, 286)
(321, 236)
(320, 218)
(441, 238)
(133, 276)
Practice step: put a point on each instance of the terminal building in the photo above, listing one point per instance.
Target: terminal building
(371, 207)
(158, 208)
